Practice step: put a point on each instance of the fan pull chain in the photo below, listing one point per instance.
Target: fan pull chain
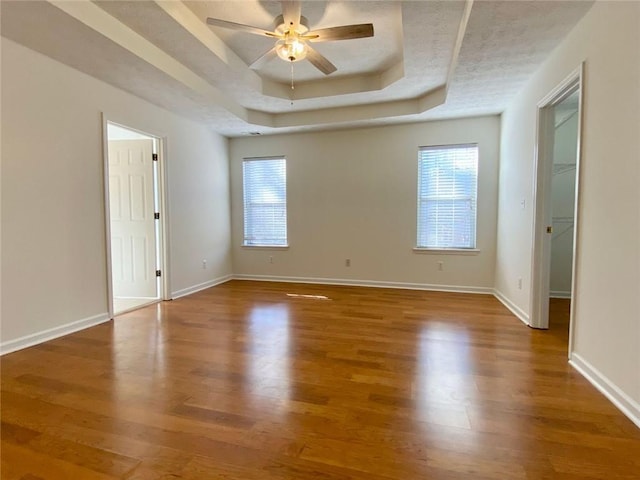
(292, 87)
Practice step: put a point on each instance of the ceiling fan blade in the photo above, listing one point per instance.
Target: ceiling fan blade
(291, 11)
(239, 26)
(345, 32)
(264, 59)
(319, 61)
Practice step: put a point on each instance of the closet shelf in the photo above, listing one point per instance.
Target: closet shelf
(559, 168)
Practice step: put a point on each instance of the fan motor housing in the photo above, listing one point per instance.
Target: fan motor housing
(280, 27)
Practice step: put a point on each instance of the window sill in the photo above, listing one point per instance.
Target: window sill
(266, 247)
(447, 251)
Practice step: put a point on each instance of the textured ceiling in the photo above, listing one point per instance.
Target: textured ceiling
(427, 60)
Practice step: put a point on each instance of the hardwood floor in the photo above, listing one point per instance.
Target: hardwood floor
(559, 311)
(243, 381)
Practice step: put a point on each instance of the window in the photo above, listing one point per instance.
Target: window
(265, 201)
(447, 193)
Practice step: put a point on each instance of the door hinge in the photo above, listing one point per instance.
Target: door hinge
(158, 273)
(549, 229)
(154, 157)
(156, 215)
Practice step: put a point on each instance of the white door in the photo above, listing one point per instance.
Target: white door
(131, 201)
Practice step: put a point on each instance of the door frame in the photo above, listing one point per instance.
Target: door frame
(163, 234)
(543, 167)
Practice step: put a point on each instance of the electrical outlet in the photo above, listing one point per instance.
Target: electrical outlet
(519, 283)
(204, 264)
(440, 266)
(347, 262)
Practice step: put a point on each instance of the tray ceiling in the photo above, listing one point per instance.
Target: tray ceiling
(427, 60)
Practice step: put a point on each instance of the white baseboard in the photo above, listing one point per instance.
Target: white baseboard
(46, 335)
(517, 311)
(620, 399)
(367, 283)
(202, 286)
(559, 294)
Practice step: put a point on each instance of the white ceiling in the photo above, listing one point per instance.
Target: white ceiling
(427, 60)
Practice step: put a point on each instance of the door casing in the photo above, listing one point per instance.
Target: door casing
(541, 255)
(163, 236)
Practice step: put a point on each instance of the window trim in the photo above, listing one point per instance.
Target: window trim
(286, 203)
(447, 251)
(473, 250)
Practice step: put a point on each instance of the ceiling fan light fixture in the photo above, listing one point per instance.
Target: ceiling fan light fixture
(291, 48)
(291, 29)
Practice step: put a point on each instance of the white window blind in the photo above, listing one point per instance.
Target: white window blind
(265, 201)
(447, 196)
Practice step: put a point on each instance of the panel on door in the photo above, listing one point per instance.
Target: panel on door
(133, 230)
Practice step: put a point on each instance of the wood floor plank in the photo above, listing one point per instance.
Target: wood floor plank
(26, 462)
(243, 381)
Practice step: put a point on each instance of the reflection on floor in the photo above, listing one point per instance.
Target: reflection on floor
(121, 305)
(283, 381)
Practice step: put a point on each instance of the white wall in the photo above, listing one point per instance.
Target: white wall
(352, 194)
(563, 190)
(607, 303)
(53, 222)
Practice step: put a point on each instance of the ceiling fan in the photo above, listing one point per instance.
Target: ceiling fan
(291, 31)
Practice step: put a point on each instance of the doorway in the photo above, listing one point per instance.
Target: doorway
(556, 198)
(133, 191)
(563, 183)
